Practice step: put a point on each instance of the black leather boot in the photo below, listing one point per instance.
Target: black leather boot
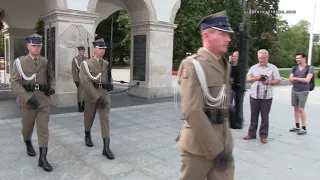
(87, 139)
(106, 150)
(30, 149)
(42, 162)
(80, 107)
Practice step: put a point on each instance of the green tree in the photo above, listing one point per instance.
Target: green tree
(187, 37)
(1, 45)
(262, 19)
(39, 28)
(121, 34)
(291, 40)
(1, 20)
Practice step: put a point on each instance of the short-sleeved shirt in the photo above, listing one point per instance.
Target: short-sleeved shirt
(258, 90)
(300, 86)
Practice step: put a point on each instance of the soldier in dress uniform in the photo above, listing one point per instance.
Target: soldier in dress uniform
(29, 80)
(205, 140)
(76, 61)
(94, 78)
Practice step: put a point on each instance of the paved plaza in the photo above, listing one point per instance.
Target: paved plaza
(142, 139)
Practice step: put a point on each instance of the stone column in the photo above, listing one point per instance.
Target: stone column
(14, 46)
(151, 59)
(69, 28)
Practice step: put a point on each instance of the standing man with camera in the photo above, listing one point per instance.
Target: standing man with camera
(263, 77)
(75, 66)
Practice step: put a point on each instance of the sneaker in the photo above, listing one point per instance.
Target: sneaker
(302, 132)
(295, 129)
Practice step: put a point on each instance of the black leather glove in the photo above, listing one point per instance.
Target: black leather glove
(77, 84)
(102, 102)
(224, 158)
(110, 87)
(33, 101)
(50, 92)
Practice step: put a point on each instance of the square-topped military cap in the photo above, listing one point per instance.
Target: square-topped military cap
(34, 39)
(99, 43)
(217, 21)
(81, 48)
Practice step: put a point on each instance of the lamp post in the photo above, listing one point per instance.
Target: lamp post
(311, 33)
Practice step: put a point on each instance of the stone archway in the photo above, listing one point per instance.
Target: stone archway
(151, 37)
(152, 32)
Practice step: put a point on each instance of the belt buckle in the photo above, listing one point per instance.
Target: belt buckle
(36, 87)
(100, 85)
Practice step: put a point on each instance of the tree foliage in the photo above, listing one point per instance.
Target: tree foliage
(39, 28)
(121, 34)
(187, 35)
(1, 20)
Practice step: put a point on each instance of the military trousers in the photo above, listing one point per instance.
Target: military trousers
(195, 167)
(79, 90)
(41, 118)
(90, 110)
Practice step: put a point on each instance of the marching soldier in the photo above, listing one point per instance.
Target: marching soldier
(94, 78)
(29, 80)
(76, 61)
(205, 140)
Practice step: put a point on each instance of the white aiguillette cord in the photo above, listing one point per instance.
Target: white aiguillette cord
(77, 64)
(18, 65)
(211, 101)
(88, 72)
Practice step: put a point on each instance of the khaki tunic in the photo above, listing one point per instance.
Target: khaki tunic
(199, 140)
(76, 62)
(29, 68)
(30, 115)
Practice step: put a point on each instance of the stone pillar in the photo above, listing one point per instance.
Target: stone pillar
(14, 46)
(151, 59)
(69, 28)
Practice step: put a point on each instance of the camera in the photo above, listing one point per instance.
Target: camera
(263, 78)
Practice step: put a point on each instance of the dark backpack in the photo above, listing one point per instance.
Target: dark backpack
(311, 83)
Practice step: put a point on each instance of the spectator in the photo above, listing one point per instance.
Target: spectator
(300, 77)
(262, 76)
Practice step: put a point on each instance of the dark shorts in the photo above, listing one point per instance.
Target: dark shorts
(299, 99)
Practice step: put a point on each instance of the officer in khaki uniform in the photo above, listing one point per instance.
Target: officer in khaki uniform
(29, 82)
(94, 78)
(205, 140)
(76, 61)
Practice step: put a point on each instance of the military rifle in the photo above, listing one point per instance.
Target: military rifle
(88, 47)
(110, 53)
(49, 66)
(236, 114)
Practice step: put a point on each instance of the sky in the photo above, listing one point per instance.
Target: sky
(304, 10)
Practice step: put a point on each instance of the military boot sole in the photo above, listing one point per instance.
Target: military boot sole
(31, 153)
(47, 169)
(88, 142)
(108, 155)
